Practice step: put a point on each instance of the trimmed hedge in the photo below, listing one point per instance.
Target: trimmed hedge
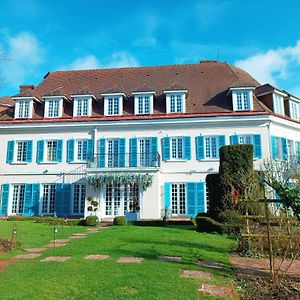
(120, 221)
(91, 221)
(214, 195)
(47, 220)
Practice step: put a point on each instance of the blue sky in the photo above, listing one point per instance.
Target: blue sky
(263, 37)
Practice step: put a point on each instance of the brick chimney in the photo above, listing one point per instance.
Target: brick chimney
(27, 87)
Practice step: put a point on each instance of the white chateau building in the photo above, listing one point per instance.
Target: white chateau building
(164, 123)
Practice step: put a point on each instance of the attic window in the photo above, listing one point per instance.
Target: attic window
(113, 104)
(242, 99)
(53, 107)
(278, 104)
(294, 110)
(143, 103)
(82, 106)
(23, 109)
(175, 101)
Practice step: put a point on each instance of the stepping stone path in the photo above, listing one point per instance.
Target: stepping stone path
(28, 256)
(52, 245)
(92, 230)
(97, 257)
(56, 258)
(170, 258)
(209, 264)
(217, 290)
(61, 241)
(80, 234)
(36, 250)
(195, 274)
(130, 260)
(73, 237)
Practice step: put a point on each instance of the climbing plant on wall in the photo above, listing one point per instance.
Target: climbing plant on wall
(96, 181)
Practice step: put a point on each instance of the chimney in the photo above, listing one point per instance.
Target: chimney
(27, 87)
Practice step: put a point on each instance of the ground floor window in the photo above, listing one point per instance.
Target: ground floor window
(48, 202)
(178, 198)
(121, 198)
(18, 198)
(79, 198)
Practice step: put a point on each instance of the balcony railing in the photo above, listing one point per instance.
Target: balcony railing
(125, 160)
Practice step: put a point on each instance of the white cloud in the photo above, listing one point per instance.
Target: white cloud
(118, 59)
(23, 55)
(273, 65)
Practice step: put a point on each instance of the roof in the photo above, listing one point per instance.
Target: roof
(207, 84)
(6, 101)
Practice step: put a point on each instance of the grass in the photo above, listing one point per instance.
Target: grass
(81, 279)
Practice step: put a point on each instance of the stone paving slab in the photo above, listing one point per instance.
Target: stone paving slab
(61, 241)
(56, 258)
(170, 258)
(130, 259)
(217, 290)
(28, 256)
(195, 274)
(79, 234)
(209, 264)
(92, 230)
(78, 237)
(36, 250)
(52, 245)
(97, 257)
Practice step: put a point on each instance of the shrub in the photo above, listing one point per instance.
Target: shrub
(120, 220)
(91, 221)
(206, 224)
(232, 219)
(6, 245)
(214, 203)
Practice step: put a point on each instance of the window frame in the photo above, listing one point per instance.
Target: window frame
(238, 103)
(143, 95)
(278, 108)
(115, 98)
(297, 110)
(205, 147)
(76, 150)
(17, 108)
(46, 160)
(176, 94)
(176, 149)
(81, 199)
(80, 98)
(47, 107)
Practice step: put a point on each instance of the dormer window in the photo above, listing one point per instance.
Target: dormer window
(82, 106)
(53, 107)
(294, 105)
(175, 101)
(143, 103)
(278, 104)
(23, 108)
(242, 99)
(113, 104)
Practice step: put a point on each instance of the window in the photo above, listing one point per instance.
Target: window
(290, 149)
(23, 109)
(51, 150)
(145, 153)
(18, 198)
(82, 106)
(243, 100)
(79, 198)
(211, 147)
(113, 200)
(294, 110)
(178, 198)
(113, 106)
(143, 104)
(82, 149)
(278, 104)
(131, 198)
(175, 101)
(22, 151)
(112, 151)
(245, 139)
(177, 148)
(48, 202)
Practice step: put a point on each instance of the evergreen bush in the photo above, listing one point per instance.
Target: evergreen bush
(120, 220)
(91, 221)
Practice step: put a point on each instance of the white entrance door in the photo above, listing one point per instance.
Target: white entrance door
(178, 196)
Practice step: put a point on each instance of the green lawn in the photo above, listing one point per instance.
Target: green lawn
(81, 279)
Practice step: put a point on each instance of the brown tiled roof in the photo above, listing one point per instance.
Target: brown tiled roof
(175, 87)
(143, 88)
(207, 83)
(6, 101)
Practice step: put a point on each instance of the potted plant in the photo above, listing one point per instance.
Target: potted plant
(93, 205)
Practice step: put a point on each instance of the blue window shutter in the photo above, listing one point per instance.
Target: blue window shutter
(63, 199)
(200, 205)
(70, 150)
(154, 151)
(27, 200)
(191, 198)
(10, 152)
(167, 195)
(101, 153)
(166, 148)
(274, 147)
(221, 140)
(234, 139)
(90, 150)
(133, 155)
(59, 199)
(29, 151)
(59, 151)
(40, 151)
(199, 147)
(35, 206)
(121, 152)
(187, 147)
(5, 199)
(298, 151)
(67, 191)
(284, 148)
(257, 146)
